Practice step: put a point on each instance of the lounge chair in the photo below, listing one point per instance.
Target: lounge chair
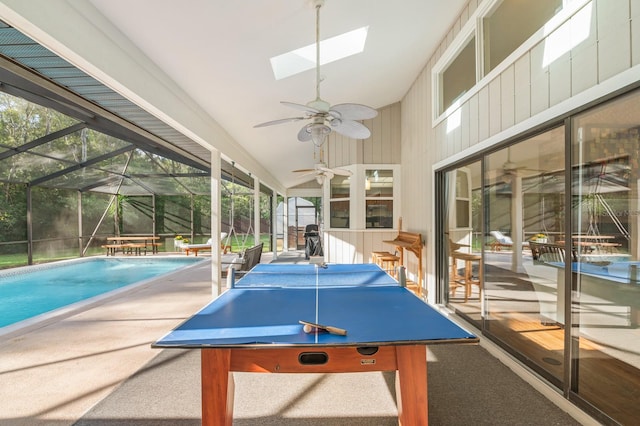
(206, 246)
(195, 248)
(500, 240)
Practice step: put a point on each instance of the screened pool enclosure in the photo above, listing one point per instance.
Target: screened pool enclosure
(66, 187)
(79, 163)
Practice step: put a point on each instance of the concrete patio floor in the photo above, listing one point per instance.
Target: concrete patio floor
(54, 374)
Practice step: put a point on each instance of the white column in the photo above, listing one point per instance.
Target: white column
(256, 210)
(285, 223)
(216, 224)
(274, 221)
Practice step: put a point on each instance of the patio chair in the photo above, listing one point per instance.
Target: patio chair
(248, 259)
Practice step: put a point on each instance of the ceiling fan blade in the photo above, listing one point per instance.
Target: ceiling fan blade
(341, 172)
(280, 121)
(304, 134)
(351, 129)
(301, 107)
(354, 111)
(305, 172)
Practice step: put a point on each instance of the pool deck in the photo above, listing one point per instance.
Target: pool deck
(54, 374)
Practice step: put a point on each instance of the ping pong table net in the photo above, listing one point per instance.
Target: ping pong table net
(323, 277)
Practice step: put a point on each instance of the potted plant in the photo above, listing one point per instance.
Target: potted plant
(178, 242)
(540, 238)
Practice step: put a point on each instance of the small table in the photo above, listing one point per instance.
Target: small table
(254, 327)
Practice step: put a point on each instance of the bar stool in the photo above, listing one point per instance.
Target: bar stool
(387, 261)
(375, 254)
(456, 280)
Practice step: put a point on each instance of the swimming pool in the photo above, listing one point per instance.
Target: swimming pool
(31, 291)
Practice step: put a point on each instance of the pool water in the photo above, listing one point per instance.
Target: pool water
(31, 291)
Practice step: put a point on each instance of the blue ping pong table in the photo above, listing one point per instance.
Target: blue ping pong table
(254, 327)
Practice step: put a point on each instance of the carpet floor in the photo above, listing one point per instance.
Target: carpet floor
(466, 386)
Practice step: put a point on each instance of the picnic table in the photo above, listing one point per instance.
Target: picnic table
(133, 244)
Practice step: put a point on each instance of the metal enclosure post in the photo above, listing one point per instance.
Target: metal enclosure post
(80, 252)
(29, 228)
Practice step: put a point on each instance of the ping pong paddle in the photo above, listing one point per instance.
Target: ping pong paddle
(330, 329)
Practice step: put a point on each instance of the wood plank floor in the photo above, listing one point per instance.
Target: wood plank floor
(608, 383)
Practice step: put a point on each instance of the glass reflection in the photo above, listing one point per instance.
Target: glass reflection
(524, 195)
(463, 240)
(605, 170)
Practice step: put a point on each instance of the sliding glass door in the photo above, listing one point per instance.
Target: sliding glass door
(540, 249)
(463, 240)
(524, 198)
(605, 237)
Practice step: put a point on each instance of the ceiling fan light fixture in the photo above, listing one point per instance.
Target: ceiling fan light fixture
(342, 118)
(318, 133)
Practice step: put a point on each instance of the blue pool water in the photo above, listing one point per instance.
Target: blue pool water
(29, 292)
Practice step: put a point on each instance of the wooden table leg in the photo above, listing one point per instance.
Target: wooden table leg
(217, 387)
(468, 275)
(411, 385)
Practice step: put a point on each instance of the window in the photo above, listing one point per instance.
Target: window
(511, 24)
(331, 49)
(462, 199)
(495, 30)
(339, 202)
(460, 75)
(379, 198)
(364, 200)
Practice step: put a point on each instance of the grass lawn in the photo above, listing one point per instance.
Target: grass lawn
(20, 259)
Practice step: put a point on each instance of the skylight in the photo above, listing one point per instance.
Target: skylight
(331, 49)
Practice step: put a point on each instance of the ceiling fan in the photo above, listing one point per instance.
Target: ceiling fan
(511, 169)
(324, 117)
(322, 171)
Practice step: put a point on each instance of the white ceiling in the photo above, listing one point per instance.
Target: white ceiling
(218, 52)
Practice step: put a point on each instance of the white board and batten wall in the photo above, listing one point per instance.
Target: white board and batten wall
(521, 93)
(524, 91)
(381, 150)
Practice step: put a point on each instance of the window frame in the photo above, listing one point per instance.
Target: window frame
(357, 197)
(474, 28)
(368, 198)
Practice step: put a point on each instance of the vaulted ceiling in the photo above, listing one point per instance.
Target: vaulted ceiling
(217, 52)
